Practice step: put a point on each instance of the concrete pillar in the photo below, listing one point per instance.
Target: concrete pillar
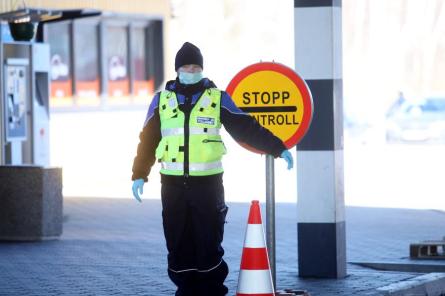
(31, 203)
(320, 209)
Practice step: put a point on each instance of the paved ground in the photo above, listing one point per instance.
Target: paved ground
(116, 247)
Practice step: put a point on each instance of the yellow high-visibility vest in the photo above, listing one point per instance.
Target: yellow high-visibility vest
(205, 147)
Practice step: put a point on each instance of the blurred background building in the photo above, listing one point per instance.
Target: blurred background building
(105, 69)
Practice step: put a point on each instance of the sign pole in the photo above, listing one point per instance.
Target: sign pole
(270, 214)
(280, 101)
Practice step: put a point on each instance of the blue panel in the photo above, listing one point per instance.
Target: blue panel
(317, 3)
(5, 33)
(322, 250)
(326, 130)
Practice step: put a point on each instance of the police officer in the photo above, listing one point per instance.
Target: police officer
(182, 131)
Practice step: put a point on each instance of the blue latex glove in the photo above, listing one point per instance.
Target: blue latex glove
(138, 185)
(288, 158)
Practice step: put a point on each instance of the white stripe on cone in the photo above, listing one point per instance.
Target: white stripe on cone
(255, 282)
(254, 236)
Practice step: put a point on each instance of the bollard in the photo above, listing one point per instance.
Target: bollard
(30, 203)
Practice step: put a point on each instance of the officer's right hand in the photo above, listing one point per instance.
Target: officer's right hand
(138, 188)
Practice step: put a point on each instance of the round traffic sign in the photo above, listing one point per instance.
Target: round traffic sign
(277, 97)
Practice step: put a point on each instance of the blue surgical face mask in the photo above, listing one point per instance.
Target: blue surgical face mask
(189, 78)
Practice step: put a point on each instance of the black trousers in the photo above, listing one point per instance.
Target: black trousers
(193, 218)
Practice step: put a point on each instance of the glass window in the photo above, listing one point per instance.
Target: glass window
(116, 53)
(61, 83)
(86, 66)
(142, 86)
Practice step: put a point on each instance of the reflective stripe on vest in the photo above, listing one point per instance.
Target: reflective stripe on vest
(193, 131)
(193, 167)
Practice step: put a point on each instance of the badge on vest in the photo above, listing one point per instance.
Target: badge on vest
(205, 120)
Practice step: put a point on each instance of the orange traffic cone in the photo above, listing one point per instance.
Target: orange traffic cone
(254, 276)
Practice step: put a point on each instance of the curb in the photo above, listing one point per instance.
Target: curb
(403, 267)
(432, 284)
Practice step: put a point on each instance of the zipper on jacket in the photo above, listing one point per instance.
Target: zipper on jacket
(187, 111)
(211, 141)
(215, 141)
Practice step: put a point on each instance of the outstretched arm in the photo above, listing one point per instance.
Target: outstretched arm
(244, 128)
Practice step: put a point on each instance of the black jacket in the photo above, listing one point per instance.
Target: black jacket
(241, 126)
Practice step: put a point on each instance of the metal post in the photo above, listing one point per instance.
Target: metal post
(270, 214)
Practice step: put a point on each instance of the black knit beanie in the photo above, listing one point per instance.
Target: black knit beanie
(187, 55)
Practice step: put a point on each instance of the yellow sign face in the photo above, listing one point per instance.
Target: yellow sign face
(273, 99)
(277, 97)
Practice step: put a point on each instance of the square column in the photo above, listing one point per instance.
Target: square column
(320, 173)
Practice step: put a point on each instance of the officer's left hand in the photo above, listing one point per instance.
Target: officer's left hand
(288, 158)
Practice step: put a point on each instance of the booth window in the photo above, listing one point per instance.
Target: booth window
(86, 63)
(117, 66)
(58, 36)
(142, 85)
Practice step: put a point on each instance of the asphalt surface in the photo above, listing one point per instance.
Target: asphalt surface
(116, 247)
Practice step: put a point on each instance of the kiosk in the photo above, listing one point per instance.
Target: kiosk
(31, 200)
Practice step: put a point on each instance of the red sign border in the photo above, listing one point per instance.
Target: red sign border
(295, 78)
